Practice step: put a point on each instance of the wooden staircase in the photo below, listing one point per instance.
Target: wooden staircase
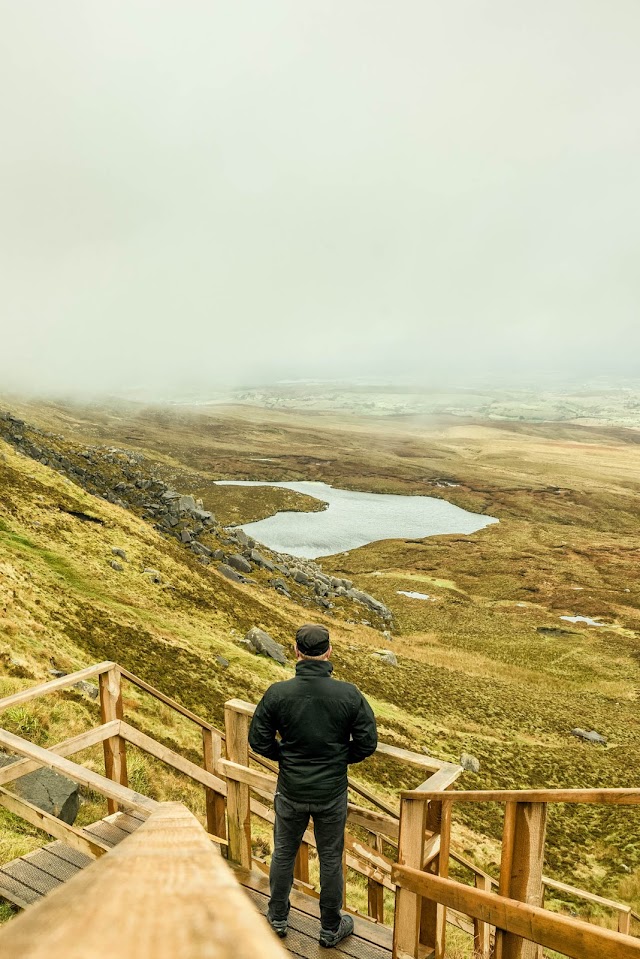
(149, 881)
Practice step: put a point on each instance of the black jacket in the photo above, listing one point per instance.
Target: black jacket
(323, 724)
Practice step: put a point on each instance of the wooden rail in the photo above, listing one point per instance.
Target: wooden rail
(236, 792)
(162, 893)
(522, 926)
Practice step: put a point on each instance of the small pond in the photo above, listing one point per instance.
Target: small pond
(354, 519)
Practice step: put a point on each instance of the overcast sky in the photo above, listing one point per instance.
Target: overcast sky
(197, 192)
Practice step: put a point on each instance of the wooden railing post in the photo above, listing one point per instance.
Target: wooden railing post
(115, 757)
(236, 722)
(215, 801)
(301, 867)
(433, 921)
(482, 930)
(406, 926)
(375, 889)
(521, 870)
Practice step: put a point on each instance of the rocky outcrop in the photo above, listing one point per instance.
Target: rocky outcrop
(590, 736)
(126, 479)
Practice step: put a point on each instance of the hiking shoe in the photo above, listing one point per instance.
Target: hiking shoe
(279, 926)
(329, 939)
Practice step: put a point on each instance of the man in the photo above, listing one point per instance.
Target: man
(324, 725)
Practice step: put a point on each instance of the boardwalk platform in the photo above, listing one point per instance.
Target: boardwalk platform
(27, 879)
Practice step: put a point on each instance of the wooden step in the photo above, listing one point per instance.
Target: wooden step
(30, 877)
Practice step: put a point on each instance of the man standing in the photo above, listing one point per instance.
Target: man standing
(324, 725)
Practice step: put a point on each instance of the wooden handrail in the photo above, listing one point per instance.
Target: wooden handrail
(619, 797)
(571, 937)
(67, 748)
(126, 797)
(162, 893)
(63, 682)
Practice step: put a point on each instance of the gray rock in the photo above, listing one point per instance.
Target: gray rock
(89, 689)
(283, 568)
(261, 560)
(266, 645)
(386, 656)
(301, 577)
(186, 504)
(280, 585)
(470, 763)
(185, 536)
(240, 563)
(230, 573)
(591, 736)
(221, 661)
(219, 554)
(241, 537)
(152, 575)
(48, 790)
(116, 551)
(200, 549)
(114, 564)
(373, 604)
(202, 514)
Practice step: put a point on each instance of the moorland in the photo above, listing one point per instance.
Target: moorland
(486, 665)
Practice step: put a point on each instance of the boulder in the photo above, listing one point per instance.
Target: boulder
(301, 577)
(200, 549)
(373, 604)
(470, 763)
(114, 564)
(186, 504)
(230, 573)
(266, 645)
(386, 656)
(152, 575)
(185, 536)
(48, 790)
(241, 537)
(116, 551)
(240, 563)
(222, 662)
(591, 736)
(261, 560)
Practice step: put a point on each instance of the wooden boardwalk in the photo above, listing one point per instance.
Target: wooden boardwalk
(29, 878)
(369, 941)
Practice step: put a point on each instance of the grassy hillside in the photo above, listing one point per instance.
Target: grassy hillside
(486, 665)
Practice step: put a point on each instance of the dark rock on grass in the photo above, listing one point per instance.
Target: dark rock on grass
(230, 573)
(116, 551)
(470, 763)
(200, 549)
(152, 575)
(241, 537)
(240, 563)
(222, 662)
(114, 564)
(554, 631)
(590, 736)
(301, 577)
(266, 645)
(185, 536)
(48, 790)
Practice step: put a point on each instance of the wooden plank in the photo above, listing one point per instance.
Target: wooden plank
(525, 881)
(162, 893)
(171, 703)
(407, 756)
(482, 930)
(406, 929)
(363, 929)
(59, 868)
(373, 798)
(242, 774)
(28, 874)
(582, 894)
(443, 779)
(125, 797)
(301, 865)
(216, 807)
(238, 799)
(16, 892)
(375, 889)
(506, 863)
(568, 936)
(106, 832)
(67, 748)
(376, 822)
(115, 758)
(443, 870)
(618, 797)
(175, 760)
(62, 682)
(51, 824)
(63, 851)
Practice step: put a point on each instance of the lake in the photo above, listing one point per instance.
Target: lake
(354, 519)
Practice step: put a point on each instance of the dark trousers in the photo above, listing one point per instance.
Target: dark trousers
(292, 818)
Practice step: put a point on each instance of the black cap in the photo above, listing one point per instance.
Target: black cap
(312, 640)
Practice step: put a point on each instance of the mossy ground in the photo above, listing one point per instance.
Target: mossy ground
(475, 674)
